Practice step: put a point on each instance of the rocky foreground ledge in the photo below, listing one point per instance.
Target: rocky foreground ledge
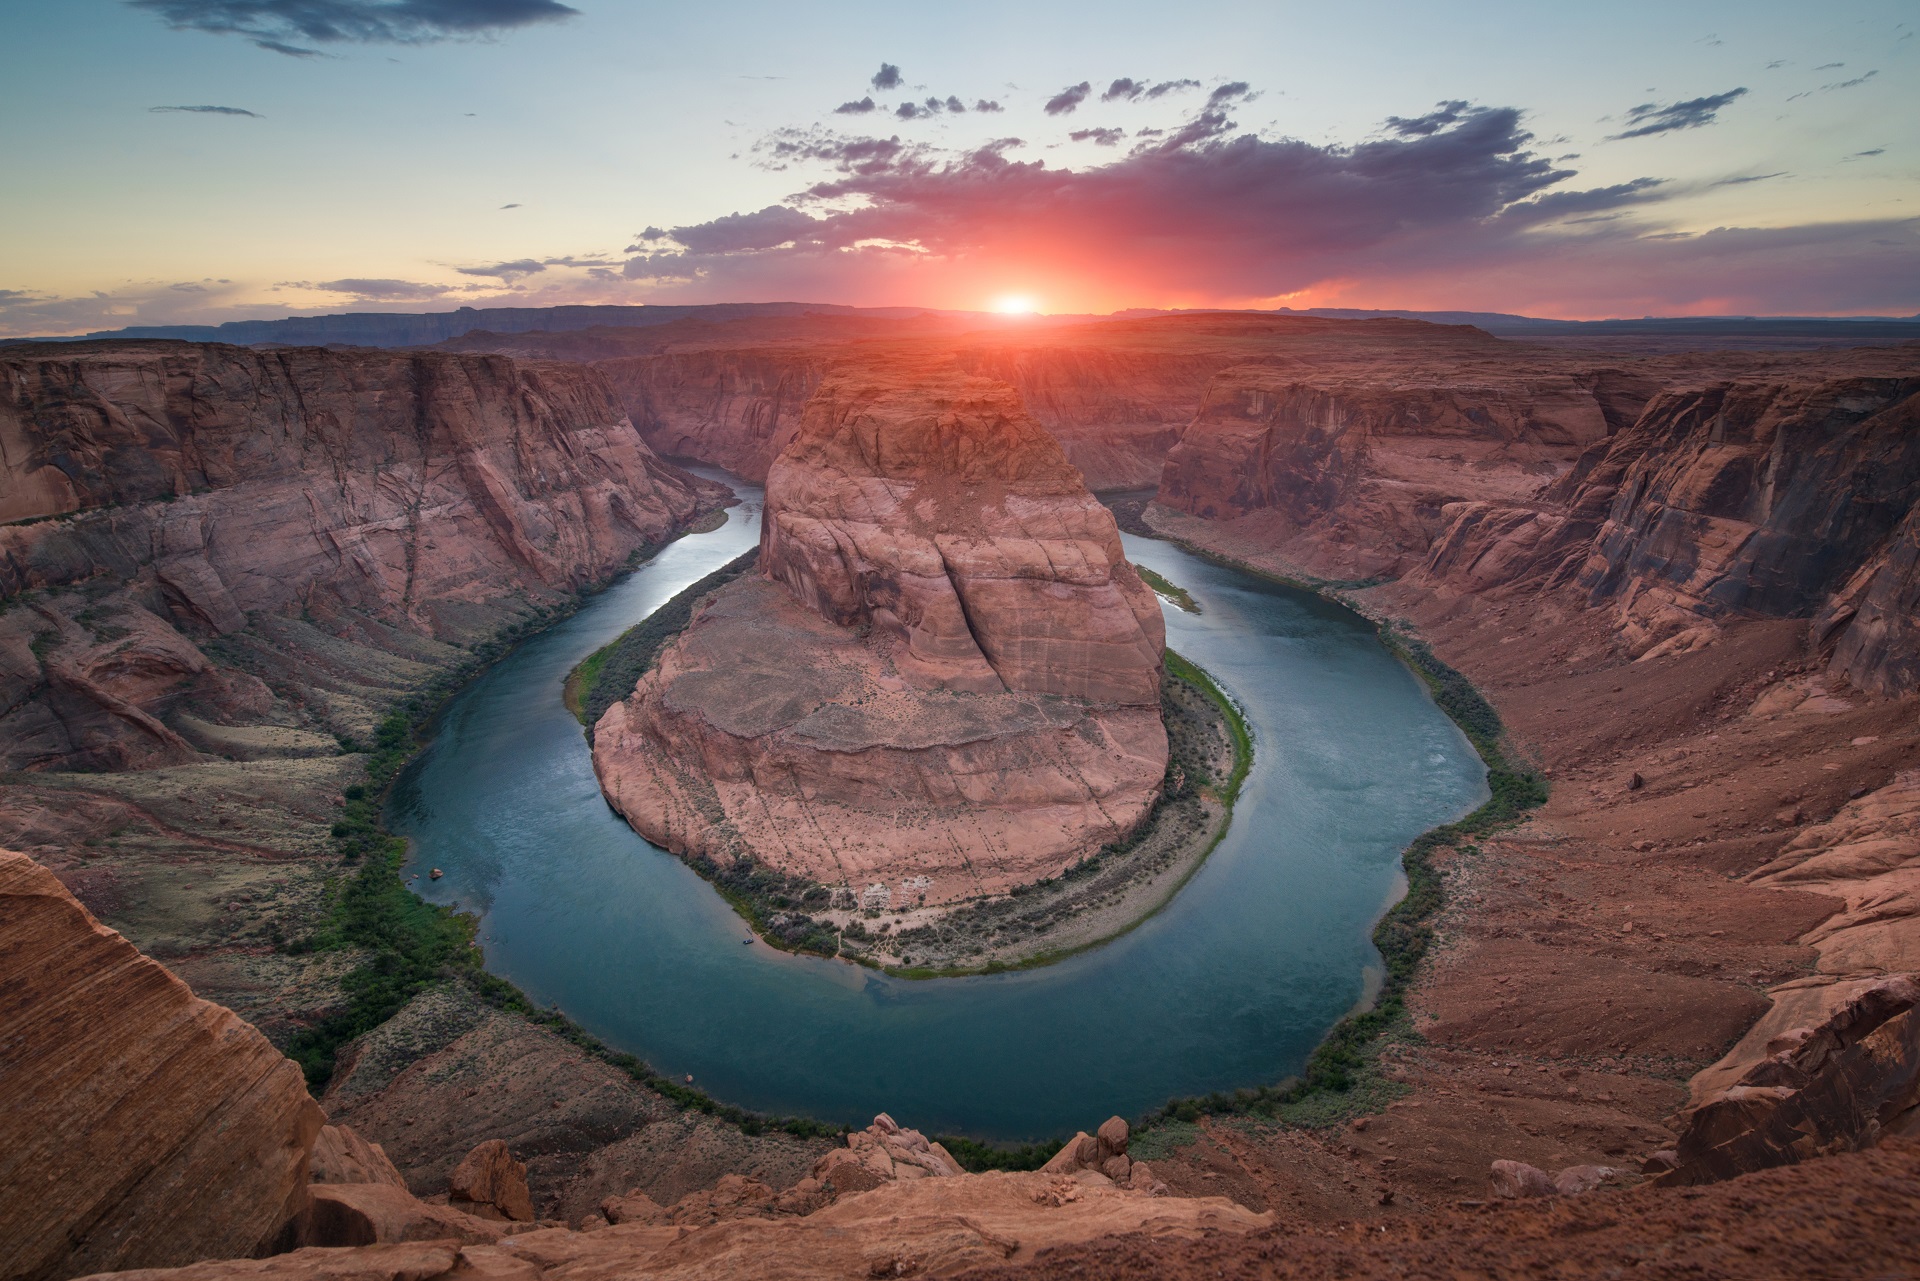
(945, 681)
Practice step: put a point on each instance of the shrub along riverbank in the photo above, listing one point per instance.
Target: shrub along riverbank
(410, 945)
(1342, 1077)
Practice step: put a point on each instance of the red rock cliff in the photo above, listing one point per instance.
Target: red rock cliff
(198, 489)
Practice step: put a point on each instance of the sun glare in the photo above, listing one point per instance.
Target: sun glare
(1015, 305)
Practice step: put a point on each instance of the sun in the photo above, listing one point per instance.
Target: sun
(1015, 305)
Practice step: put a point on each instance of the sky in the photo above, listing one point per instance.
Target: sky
(194, 161)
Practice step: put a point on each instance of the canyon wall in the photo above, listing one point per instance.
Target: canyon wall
(944, 682)
(169, 499)
(1348, 471)
(1783, 497)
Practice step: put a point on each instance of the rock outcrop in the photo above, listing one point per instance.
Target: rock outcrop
(1784, 497)
(1349, 470)
(945, 681)
(385, 497)
(489, 1184)
(142, 1127)
(918, 1227)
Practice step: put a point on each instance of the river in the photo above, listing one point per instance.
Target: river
(1232, 984)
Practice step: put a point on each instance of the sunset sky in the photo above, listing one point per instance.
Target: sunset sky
(177, 161)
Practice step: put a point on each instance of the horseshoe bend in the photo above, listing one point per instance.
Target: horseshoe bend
(942, 680)
(689, 642)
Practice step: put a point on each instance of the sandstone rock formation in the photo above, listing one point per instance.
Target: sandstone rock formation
(489, 1184)
(141, 1127)
(946, 680)
(385, 498)
(923, 1227)
(1349, 468)
(1785, 496)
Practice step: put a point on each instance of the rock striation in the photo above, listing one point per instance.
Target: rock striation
(1349, 469)
(142, 1127)
(943, 683)
(1788, 497)
(387, 498)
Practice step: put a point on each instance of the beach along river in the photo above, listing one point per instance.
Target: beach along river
(1232, 984)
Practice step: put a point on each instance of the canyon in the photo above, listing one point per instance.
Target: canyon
(1683, 579)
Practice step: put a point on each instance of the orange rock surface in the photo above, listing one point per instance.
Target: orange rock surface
(142, 1127)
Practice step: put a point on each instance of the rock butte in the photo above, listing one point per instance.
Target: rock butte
(944, 681)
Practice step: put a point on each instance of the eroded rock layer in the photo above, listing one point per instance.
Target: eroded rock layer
(142, 1127)
(946, 679)
(205, 492)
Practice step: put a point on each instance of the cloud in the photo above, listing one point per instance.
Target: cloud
(1067, 99)
(1125, 89)
(1229, 93)
(1166, 87)
(1830, 66)
(377, 290)
(506, 270)
(987, 105)
(213, 111)
(859, 108)
(1104, 137)
(1848, 84)
(1201, 208)
(1650, 118)
(888, 77)
(275, 24)
(914, 111)
(1743, 180)
(511, 206)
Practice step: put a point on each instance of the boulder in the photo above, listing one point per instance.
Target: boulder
(489, 1183)
(635, 1207)
(1515, 1180)
(342, 1156)
(341, 1214)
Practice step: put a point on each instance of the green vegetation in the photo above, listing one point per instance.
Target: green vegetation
(1342, 1077)
(609, 674)
(1178, 595)
(1183, 668)
(410, 945)
(977, 1157)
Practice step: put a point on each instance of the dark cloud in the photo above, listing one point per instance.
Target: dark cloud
(1104, 137)
(769, 228)
(1848, 84)
(1201, 208)
(1166, 87)
(1747, 178)
(383, 290)
(913, 111)
(1067, 99)
(506, 270)
(859, 108)
(511, 206)
(1228, 93)
(1877, 151)
(274, 24)
(1830, 66)
(954, 104)
(1650, 118)
(213, 111)
(988, 105)
(1124, 89)
(888, 77)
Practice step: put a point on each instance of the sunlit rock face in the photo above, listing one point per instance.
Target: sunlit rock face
(945, 679)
